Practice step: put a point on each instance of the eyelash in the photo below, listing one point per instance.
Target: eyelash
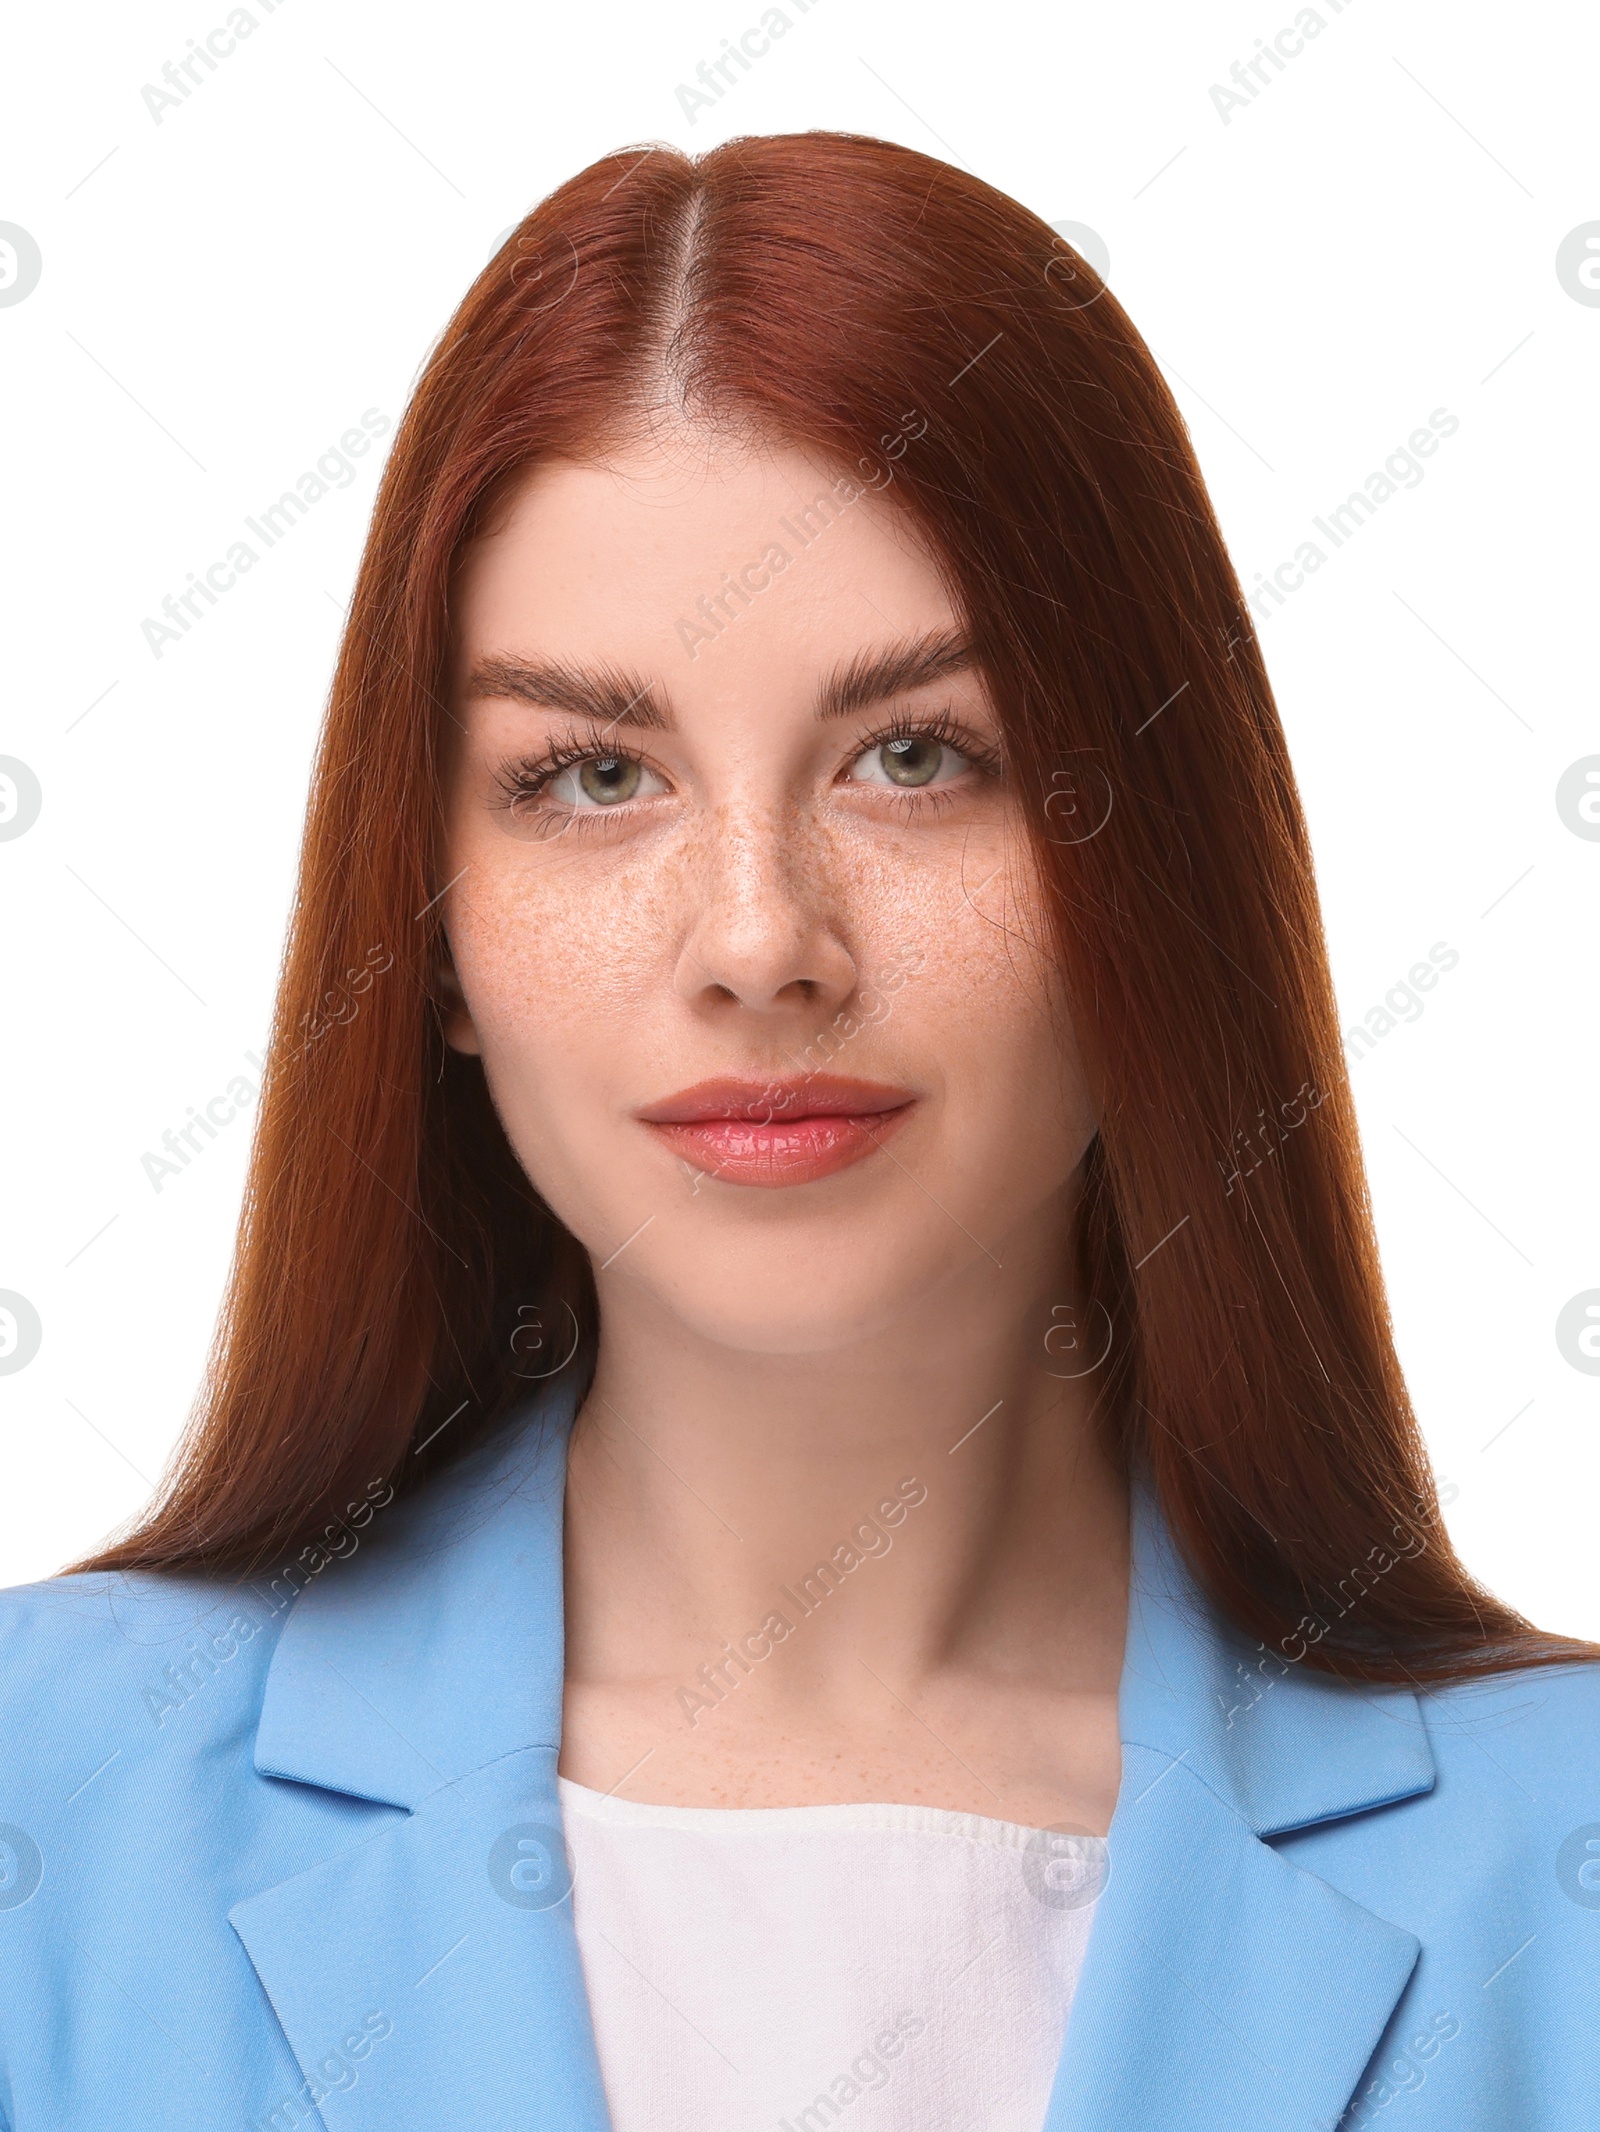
(942, 726)
(522, 782)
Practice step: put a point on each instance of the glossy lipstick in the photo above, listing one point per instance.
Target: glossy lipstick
(782, 1131)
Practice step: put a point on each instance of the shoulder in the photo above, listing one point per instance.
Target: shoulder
(111, 1665)
(1541, 1722)
(1508, 1829)
(129, 1706)
(1523, 1746)
(132, 1820)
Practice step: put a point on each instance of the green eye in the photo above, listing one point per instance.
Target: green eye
(592, 783)
(909, 761)
(914, 761)
(609, 779)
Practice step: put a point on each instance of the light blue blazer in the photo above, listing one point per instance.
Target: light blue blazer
(292, 1861)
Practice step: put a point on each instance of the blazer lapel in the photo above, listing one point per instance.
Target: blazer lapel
(429, 1969)
(1224, 1985)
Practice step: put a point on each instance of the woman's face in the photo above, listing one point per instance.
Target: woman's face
(741, 913)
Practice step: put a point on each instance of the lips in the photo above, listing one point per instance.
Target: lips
(782, 1131)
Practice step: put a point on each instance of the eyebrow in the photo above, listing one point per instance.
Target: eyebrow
(913, 663)
(612, 697)
(602, 693)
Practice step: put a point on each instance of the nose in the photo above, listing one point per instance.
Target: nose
(764, 932)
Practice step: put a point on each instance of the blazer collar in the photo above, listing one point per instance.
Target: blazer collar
(437, 1645)
(1223, 1983)
(1283, 1746)
(427, 1963)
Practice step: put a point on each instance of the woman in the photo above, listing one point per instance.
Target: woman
(805, 1511)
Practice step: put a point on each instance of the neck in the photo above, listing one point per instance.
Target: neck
(929, 1501)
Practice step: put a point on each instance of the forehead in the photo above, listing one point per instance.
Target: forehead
(697, 561)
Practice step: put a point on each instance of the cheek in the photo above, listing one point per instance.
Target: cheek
(556, 956)
(973, 1006)
(987, 1001)
(564, 975)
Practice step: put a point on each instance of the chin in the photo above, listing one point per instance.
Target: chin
(763, 1298)
(813, 1330)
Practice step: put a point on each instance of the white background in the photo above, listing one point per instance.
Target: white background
(225, 292)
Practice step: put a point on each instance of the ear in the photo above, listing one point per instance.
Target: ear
(454, 1016)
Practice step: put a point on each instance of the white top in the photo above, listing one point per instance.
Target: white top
(787, 1969)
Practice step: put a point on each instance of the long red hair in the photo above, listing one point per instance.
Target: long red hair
(398, 1282)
